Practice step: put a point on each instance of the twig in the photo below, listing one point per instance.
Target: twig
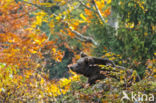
(111, 23)
(46, 9)
(98, 11)
(79, 35)
(86, 6)
(86, 38)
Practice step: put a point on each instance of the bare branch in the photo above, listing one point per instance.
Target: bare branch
(86, 6)
(32, 4)
(79, 35)
(98, 11)
(86, 38)
(80, 39)
(113, 22)
(46, 9)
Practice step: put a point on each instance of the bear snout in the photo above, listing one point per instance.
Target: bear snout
(70, 67)
(73, 67)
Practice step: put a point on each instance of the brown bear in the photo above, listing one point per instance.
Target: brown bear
(89, 67)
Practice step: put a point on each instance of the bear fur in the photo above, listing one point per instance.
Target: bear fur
(89, 67)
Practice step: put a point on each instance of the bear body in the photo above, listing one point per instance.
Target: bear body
(88, 66)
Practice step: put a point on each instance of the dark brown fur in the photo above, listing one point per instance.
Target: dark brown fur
(88, 67)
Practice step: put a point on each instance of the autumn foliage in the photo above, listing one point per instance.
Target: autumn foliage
(22, 53)
(37, 35)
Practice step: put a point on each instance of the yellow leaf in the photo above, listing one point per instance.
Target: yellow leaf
(83, 17)
(108, 54)
(33, 51)
(42, 13)
(42, 81)
(38, 41)
(150, 66)
(48, 4)
(54, 50)
(63, 2)
(130, 25)
(145, 33)
(109, 1)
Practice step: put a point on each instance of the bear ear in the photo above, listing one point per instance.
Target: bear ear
(83, 54)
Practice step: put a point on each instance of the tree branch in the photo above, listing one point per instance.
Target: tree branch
(79, 36)
(98, 11)
(46, 9)
(80, 39)
(86, 6)
(113, 21)
(86, 38)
